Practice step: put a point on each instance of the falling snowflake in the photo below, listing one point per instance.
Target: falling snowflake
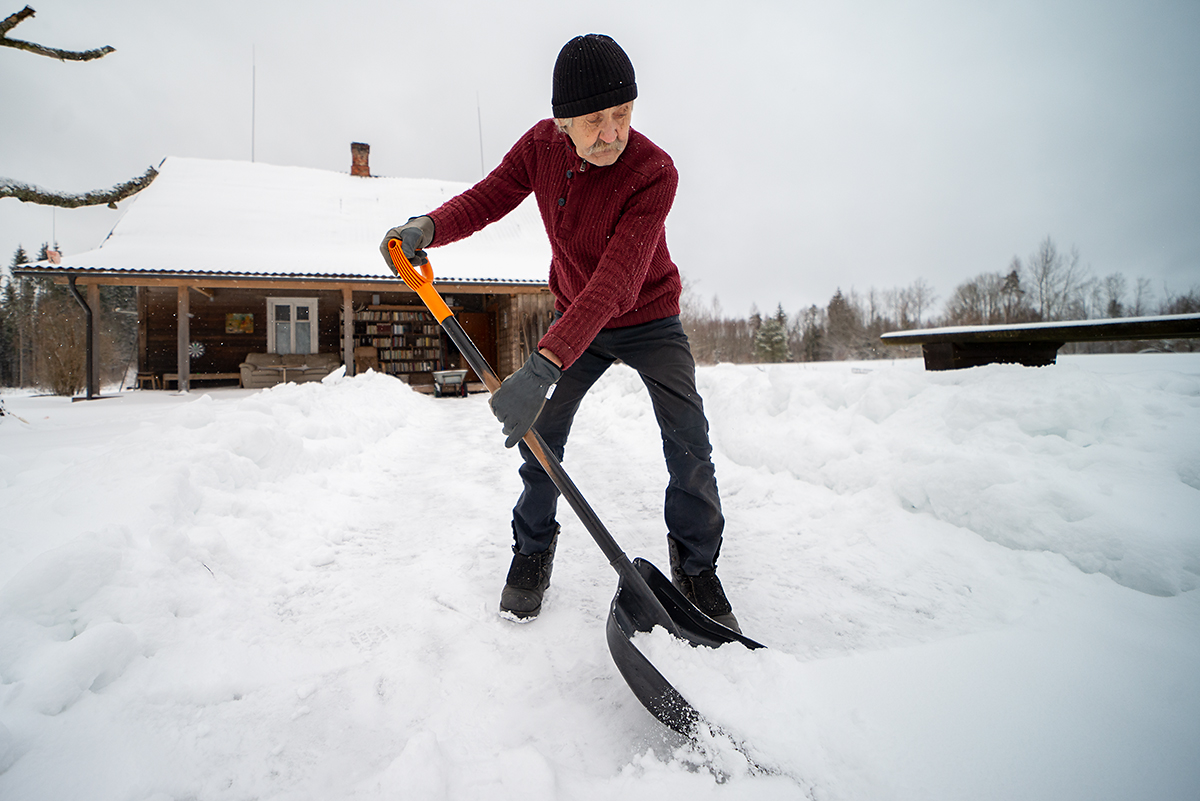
(196, 349)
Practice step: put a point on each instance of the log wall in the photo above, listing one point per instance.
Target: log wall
(223, 352)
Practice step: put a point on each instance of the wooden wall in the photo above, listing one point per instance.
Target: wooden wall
(516, 323)
(223, 352)
(521, 322)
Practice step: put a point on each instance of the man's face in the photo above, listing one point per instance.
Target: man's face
(600, 137)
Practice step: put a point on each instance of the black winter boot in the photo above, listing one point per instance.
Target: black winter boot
(528, 578)
(704, 590)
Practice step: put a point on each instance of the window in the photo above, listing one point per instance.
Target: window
(292, 325)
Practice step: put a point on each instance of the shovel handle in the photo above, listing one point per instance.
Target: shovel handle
(419, 282)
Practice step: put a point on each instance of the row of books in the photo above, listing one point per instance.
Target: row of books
(407, 354)
(392, 342)
(377, 316)
(395, 368)
(374, 329)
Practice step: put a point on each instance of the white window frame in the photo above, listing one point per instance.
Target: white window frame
(311, 303)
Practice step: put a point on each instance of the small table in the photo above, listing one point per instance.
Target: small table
(153, 379)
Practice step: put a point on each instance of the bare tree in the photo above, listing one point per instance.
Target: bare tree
(59, 347)
(1115, 287)
(713, 336)
(921, 298)
(1056, 280)
(977, 302)
(29, 193)
(1142, 297)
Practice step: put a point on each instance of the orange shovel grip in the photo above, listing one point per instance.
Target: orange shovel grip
(419, 282)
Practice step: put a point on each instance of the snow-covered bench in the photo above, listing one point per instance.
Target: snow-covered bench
(1034, 344)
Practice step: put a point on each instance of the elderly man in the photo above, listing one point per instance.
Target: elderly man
(604, 192)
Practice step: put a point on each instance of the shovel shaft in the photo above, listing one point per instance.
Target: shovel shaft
(546, 458)
(421, 282)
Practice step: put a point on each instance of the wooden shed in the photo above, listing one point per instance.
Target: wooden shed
(235, 258)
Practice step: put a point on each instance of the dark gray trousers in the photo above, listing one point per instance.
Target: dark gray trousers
(660, 353)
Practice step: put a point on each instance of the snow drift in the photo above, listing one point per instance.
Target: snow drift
(972, 584)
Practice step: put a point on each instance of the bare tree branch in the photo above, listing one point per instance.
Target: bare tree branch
(28, 193)
(53, 52)
(15, 19)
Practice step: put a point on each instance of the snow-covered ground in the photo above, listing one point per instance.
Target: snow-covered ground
(974, 584)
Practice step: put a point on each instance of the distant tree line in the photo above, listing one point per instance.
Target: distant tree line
(43, 332)
(42, 326)
(1047, 285)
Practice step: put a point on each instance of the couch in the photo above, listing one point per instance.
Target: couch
(268, 369)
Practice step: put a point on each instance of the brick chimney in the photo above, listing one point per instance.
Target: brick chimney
(360, 157)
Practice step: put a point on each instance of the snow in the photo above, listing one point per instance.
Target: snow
(972, 584)
(276, 220)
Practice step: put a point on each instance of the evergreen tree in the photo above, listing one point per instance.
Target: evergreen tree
(844, 330)
(771, 341)
(1014, 306)
(812, 338)
(15, 323)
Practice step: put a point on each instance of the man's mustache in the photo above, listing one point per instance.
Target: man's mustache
(603, 147)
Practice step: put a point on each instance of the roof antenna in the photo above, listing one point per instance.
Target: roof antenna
(253, 98)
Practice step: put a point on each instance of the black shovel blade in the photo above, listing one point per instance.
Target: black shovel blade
(634, 611)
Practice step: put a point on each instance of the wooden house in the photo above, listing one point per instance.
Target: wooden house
(233, 258)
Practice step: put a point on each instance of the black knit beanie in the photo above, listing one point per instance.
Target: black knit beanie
(592, 73)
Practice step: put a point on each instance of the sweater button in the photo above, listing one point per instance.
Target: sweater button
(570, 173)
(562, 201)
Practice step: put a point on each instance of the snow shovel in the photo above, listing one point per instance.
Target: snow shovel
(645, 597)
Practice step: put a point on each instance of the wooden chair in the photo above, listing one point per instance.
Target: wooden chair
(366, 357)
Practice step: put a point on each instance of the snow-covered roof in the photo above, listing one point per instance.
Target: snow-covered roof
(242, 218)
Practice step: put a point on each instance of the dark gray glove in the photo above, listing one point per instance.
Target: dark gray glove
(414, 236)
(519, 400)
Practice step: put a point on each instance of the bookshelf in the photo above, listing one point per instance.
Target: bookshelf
(408, 339)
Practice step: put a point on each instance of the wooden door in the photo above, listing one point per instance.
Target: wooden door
(479, 327)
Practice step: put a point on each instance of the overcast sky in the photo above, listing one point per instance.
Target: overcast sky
(819, 144)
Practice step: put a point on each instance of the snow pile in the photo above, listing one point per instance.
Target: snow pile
(972, 584)
(1059, 460)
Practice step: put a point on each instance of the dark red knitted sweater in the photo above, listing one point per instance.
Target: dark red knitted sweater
(610, 267)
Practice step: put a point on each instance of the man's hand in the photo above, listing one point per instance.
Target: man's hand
(519, 400)
(414, 236)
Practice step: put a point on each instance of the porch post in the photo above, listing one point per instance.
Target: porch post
(143, 335)
(184, 339)
(87, 324)
(93, 298)
(348, 329)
